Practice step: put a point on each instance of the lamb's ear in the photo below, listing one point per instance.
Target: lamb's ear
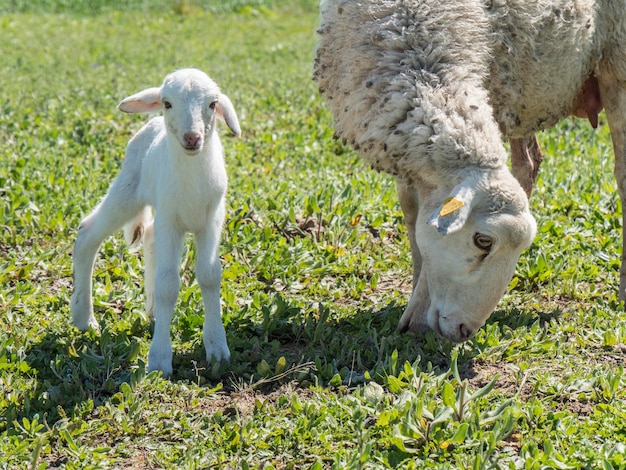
(226, 112)
(146, 101)
(453, 212)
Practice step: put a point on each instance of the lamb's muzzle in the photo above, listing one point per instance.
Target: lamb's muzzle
(193, 142)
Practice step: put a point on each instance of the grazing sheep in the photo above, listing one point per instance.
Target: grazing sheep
(426, 90)
(174, 165)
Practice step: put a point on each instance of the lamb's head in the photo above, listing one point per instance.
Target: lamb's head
(470, 238)
(190, 102)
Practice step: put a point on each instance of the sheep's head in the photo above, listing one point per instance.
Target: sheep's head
(470, 239)
(190, 102)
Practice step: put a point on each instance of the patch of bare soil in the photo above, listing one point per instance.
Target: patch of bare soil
(242, 403)
(509, 383)
(304, 227)
(480, 374)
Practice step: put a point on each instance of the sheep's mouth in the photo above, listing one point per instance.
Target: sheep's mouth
(191, 149)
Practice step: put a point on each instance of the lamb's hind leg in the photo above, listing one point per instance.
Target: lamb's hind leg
(149, 268)
(116, 209)
(613, 93)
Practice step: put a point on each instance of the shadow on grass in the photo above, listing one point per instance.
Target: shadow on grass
(507, 336)
(77, 372)
(339, 346)
(515, 318)
(365, 342)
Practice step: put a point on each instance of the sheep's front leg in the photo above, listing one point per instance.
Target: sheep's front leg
(526, 157)
(410, 206)
(208, 274)
(613, 93)
(414, 317)
(168, 247)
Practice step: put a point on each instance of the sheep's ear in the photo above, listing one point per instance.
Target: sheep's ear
(453, 212)
(146, 101)
(226, 112)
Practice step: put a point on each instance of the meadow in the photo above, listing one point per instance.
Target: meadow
(316, 273)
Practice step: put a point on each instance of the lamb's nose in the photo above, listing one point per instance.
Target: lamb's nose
(191, 139)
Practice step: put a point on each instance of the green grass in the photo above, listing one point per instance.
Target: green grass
(184, 7)
(316, 272)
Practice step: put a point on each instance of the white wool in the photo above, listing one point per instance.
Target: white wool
(174, 165)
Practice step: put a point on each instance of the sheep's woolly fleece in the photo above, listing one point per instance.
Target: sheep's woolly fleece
(421, 81)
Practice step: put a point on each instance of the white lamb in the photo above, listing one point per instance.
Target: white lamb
(174, 165)
(427, 89)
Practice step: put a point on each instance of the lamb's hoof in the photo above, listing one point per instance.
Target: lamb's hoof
(150, 308)
(218, 353)
(82, 312)
(84, 324)
(160, 360)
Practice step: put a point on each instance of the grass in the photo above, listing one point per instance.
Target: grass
(316, 272)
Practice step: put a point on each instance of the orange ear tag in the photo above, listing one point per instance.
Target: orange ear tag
(450, 205)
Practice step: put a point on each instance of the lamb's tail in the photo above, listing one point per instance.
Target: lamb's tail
(134, 230)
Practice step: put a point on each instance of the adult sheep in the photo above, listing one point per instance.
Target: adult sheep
(427, 91)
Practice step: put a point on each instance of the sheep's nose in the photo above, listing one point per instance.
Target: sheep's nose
(466, 333)
(191, 139)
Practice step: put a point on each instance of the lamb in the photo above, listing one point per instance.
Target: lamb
(427, 91)
(174, 165)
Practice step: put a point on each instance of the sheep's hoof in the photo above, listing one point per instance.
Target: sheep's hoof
(413, 329)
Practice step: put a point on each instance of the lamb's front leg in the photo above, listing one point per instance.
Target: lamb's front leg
(208, 274)
(168, 247)
(613, 93)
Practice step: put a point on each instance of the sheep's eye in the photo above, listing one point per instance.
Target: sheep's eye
(482, 241)
(167, 104)
(213, 104)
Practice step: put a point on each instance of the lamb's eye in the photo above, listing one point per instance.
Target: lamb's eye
(482, 241)
(167, 104)
(213, 104)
